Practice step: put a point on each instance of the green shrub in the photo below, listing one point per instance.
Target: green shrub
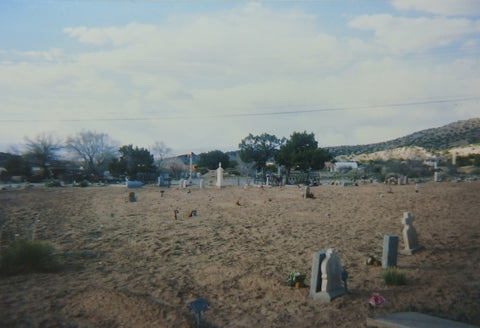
(28, 256)
(393, 276)
(82, 184)
(53, 183)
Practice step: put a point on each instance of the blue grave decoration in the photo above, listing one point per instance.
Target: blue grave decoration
(198, 307)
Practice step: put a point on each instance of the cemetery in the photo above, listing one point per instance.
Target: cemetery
(219, 255)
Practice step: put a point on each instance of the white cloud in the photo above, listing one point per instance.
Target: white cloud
(116, 36)
(250, 59)
(440, 7)
(400, 34)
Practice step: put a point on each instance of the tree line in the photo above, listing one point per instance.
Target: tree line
(93, 156)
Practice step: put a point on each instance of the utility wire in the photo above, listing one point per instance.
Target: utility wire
(276, 113)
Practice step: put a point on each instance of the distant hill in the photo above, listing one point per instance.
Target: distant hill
(451, 135)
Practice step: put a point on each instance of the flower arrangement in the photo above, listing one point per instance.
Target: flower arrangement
(376, 300)
(296, 279)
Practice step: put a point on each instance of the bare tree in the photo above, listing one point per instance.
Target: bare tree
(174, 166)
(159, 150)
(42, 152)
(94, 150)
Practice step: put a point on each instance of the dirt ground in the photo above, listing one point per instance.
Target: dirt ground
(131, 264)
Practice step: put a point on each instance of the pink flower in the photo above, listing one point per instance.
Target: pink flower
(376, 300)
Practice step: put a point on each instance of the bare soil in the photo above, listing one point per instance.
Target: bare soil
(131, 264)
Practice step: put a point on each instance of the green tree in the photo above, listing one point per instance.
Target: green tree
(211, 159)
(42, 152)
(301, 152)
(132, 162)
(259, 149)
(93, 149)
(16, 165)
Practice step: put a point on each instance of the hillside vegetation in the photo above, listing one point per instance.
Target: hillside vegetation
(451, 135)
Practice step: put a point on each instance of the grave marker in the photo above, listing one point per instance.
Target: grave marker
(134, 184)
(390, 249)
(326, 281)
(306, 192)
(219, 176)
(409, 235)
(131, 197)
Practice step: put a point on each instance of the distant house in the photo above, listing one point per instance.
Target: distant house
(344, 166)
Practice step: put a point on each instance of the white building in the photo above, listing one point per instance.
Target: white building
(341, 166)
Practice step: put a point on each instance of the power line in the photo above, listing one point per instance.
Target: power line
(275, 113)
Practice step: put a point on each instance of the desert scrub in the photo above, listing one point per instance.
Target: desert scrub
(393, 276)
(82, 184)
(53, 183)
(28, 256)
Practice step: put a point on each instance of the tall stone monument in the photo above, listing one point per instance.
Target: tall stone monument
(326, 283)
(390, 249)
(409, 235)
(219, 176)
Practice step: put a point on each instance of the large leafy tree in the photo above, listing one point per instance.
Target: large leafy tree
(133, 161)
(211, 159)
(259, 149)
(94, 149)
(43, 152)
(301, 152)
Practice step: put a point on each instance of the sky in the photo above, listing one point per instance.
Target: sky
(202, 75)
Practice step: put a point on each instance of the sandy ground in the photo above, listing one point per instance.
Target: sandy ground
(132, 265)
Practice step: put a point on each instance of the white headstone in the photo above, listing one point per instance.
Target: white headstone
(202, 184)
(219, 176)
(409, 235)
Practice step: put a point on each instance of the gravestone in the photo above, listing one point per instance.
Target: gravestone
(131, 197)
(134, 184)
(390, 249)
(306, 192)
(185, 184)
(202, 184)
(326, 281)
(409, 235)
(180, 183)
(219, 176)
